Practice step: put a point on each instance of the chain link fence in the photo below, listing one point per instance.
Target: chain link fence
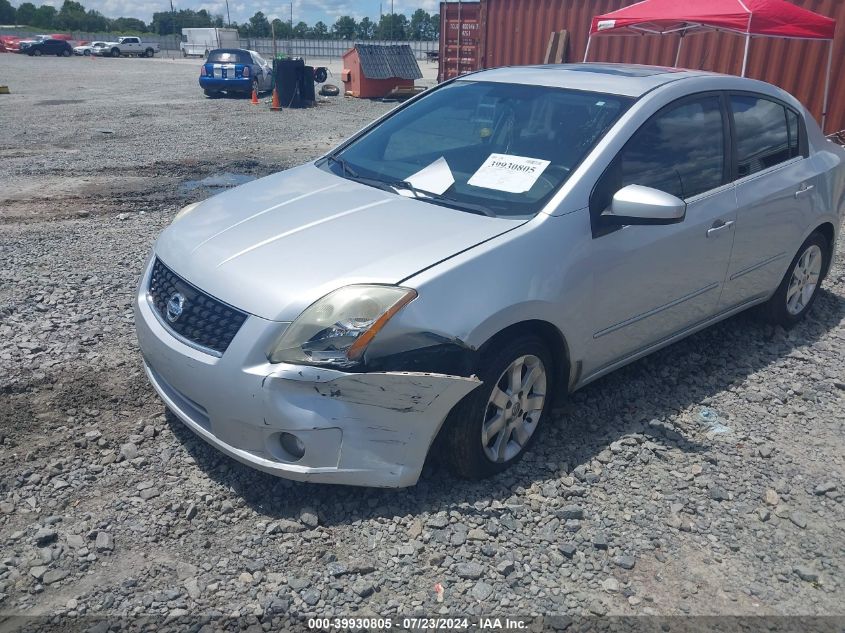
(169, 44)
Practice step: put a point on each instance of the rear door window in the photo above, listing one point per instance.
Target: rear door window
(767, 133)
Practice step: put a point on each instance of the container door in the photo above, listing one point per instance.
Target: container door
(460, 33)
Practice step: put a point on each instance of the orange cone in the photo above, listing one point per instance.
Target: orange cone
(276, 104)
(254, 97)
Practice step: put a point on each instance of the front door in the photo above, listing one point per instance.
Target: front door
(651, 282)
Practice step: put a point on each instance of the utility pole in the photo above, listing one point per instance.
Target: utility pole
(173, 20)
(392, 20)
(291, 20)
(228, 15)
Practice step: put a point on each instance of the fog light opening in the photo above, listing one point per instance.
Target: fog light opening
(292, 445)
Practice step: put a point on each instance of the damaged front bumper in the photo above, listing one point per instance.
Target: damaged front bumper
(366, 429)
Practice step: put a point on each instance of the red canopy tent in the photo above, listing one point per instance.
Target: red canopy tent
(750, 18)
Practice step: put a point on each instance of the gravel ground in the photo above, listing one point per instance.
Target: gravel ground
(707, 479)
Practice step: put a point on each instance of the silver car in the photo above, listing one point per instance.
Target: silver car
(502, 239)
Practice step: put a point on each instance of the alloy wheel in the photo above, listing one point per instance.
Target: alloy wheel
(804, 281)
(514, 409)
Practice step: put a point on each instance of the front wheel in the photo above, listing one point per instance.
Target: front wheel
(798, 289)
(65, 53)
(491, 428)
(115, 52)
(37, 53)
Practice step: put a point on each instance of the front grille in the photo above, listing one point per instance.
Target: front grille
(203, 320)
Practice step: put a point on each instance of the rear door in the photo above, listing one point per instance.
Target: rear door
(775, 182)
(652, 282)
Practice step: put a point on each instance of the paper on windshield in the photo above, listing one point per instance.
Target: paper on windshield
(436, 178)
(506, 172)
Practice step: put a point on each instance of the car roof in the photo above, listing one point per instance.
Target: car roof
(630, 80)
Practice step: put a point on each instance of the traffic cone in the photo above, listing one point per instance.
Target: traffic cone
(276, 104)
(254, 97)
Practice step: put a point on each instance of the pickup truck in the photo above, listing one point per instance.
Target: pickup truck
(127, 46)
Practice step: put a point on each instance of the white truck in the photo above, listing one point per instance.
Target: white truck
(127, 46)
(202, 41)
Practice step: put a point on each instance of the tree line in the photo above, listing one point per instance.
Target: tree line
(72, 16)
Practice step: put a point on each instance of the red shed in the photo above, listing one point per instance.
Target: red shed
(370, 70)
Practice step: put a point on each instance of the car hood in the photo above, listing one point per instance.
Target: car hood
(275, 245)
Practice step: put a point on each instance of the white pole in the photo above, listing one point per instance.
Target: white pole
(745, 56)
(678, 54)
(587, 52)
(827, 84)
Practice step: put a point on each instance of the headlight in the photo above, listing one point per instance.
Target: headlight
(337, 328)
(185, 211)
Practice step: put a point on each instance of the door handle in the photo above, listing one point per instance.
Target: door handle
(804, 190)
(718, 226)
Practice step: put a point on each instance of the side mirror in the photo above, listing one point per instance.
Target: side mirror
(636, 204)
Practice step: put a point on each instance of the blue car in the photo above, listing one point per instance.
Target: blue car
(235, 70)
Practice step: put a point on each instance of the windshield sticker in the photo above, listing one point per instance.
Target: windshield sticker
(436, 178)
(505, 172)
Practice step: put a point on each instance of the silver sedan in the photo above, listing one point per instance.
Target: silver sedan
(501, 240)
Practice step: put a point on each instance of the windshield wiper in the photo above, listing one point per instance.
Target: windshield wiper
(422, 194)
(347, 170)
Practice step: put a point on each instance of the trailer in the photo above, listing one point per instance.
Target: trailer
(201, 41)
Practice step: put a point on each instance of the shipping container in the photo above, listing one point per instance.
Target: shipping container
(460, 39)
(515, 32)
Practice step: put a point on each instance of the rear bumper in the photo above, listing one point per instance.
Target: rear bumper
(232, 85)
(367, 429)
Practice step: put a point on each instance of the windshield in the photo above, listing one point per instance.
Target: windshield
(504, 147)
(228, 57)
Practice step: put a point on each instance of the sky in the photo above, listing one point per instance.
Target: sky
(309, 11)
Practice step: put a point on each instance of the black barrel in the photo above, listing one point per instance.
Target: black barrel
(287, 73)
(306, 86)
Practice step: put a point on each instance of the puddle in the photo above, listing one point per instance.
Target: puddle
(221, 181)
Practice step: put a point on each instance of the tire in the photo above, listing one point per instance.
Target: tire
(184, 53)
(86, 53)
(468, 452)
(115, 52)
(206, 54)
(329, 90)
(149, 52)
(255, 86)
(66, 53)
(36, 53)
(799, 288)
(211, 94)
